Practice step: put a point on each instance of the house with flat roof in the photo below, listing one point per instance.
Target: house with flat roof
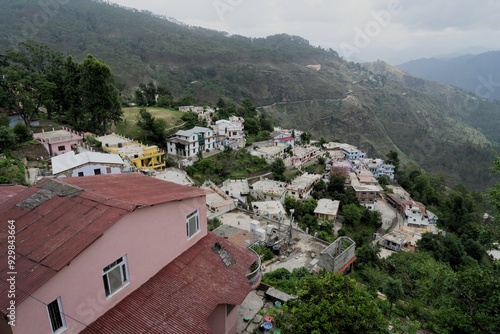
(204, 113)
(230, 133)
(269, 209)
(352, 153)
(187, 143)
(394, 240)
(58, 142)
(89, 250)
(304, 154)
(269, 153)
(379, 168)
(327, 210)
(365, 189)
(238, 189)
(302, 186)
(86, 164)
(175, 175)
(269, 190)
(141, 156)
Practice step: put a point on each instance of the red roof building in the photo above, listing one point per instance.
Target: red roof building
(88, 249)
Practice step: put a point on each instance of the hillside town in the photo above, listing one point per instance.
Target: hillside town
(110, 190)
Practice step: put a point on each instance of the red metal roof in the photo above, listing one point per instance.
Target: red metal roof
(181, 296)
(285, 138)
(57, 219)
(7, 192)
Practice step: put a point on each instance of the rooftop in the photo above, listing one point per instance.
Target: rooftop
(327, 207)
(175, 175)
(71, 160)
(58, 135)
(182, 295)
(269, 207)
(269, 186)
(58, 218)
(239, 237)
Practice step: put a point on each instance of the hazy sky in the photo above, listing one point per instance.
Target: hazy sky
(390, 30)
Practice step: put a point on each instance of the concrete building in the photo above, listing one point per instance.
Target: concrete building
(301, 186)
(58, 142)
(366, 190)
(269, 209)
(269, 153)
(327, 210)
(394, 240)
(284, 139)
(139, 155)
(304, 154)
(86, 164)
(175, 175)
(379, 168)
(187, 143)
(204, 113)
(339, 256)
(230, 133)
(120, 253)
(353, 153)
(268, 190)
(238, 189)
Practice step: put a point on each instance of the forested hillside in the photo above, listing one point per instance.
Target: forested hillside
(442, 128)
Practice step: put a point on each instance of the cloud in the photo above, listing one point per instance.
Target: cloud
(442, 26)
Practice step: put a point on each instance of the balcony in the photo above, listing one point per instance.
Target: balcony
(254, 273)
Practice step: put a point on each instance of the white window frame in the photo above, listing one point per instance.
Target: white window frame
(61, 314)
(196, 214)
(122, 264)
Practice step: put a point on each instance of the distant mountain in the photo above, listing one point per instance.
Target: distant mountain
(478, 74)
(374, 106)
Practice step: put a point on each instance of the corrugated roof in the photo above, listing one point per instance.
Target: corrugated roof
(57, 219)
(71, 160)
(8, 191)
(181, 296)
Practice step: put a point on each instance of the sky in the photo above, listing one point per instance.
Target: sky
(360, 30)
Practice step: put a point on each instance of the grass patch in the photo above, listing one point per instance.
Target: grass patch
(128, 127)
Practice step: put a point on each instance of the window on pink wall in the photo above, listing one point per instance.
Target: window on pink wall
(61, 148)
(193, 223)
(56, 316)
(115, 276)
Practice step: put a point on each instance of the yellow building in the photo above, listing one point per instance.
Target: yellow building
(140, 155)
(152, 157)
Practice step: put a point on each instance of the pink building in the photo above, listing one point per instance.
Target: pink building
(121, 253)
(57, 142)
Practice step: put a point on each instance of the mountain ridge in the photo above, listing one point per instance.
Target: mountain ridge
(374, 106)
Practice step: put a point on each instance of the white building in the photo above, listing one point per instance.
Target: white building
(302, 155)
(353, 153)
(269, 209)
(188, 143)
(230, 133)
(284, 139)
(301, 186)
(270, 153)
(238, 189)
(86, 164)
(269, 190)
(379, 168)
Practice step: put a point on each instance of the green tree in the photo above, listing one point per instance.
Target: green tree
(22, 133)
(154, 128)
(99, 96)
(393, 289)
(7, 138)
(331, 303)
(4, 120)
(305, 137)
(278, 169)
(352, 214)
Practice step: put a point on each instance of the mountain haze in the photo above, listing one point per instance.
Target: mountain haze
(375, 106)
(478, 74)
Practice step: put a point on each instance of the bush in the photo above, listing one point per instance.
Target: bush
(22, 133)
